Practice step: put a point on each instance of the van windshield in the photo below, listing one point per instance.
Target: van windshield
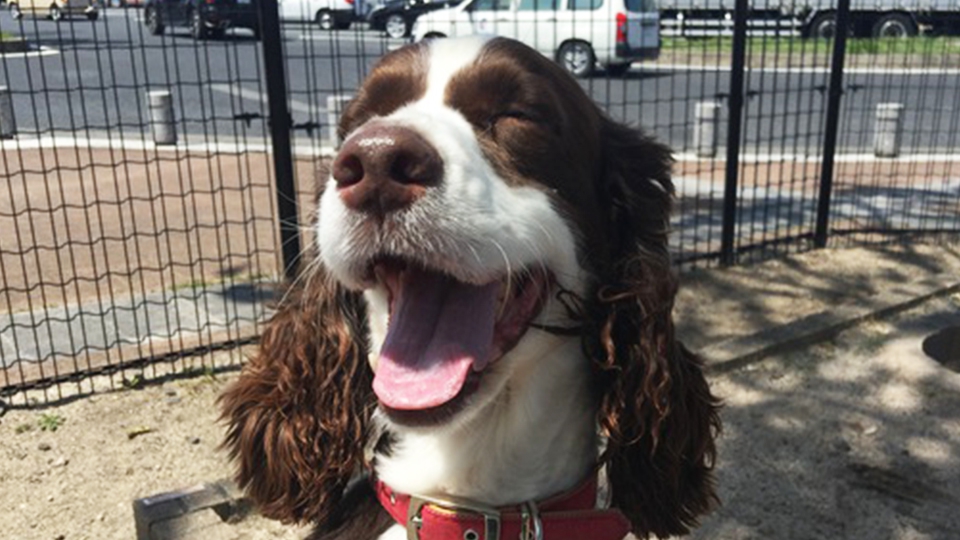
(641, 6)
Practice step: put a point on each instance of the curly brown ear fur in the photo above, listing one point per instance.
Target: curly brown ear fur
(656, 408)
(299, 413)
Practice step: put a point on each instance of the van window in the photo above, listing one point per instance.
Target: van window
(490, 5)
(581, 5)
(641, 6)
(538, 5)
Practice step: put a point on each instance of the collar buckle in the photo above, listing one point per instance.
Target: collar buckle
(491, 516)
(531, 527)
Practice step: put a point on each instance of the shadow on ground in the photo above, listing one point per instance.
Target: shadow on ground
(857, 438)
(780, 291)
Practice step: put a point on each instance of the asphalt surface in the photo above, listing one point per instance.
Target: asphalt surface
(93, 77)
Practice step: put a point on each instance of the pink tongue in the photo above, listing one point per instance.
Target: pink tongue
(439, 329)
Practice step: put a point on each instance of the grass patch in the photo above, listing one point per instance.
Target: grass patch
(924, 46)
(7, 36)
(51, 422)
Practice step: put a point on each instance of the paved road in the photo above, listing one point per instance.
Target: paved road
(97, 80)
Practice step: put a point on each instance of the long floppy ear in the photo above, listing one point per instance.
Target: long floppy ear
(656, 409)
(298, 415)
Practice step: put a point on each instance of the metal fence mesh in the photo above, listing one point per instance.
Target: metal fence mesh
(118, 254)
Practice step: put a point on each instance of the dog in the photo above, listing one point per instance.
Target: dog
(482, 333)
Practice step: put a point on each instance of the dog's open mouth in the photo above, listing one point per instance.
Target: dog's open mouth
(443, 333)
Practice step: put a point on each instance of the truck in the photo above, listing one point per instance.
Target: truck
(812, 18)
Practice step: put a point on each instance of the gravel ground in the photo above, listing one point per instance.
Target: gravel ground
(855, 438)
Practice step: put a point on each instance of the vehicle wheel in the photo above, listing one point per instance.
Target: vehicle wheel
(55, 14)
(577, 58)
(15, 12)
(325, 20)
(434, 35)
(823, 26)
(198, 29)
(895, 25)
(396, 26)
(618, 70)
(154, 25)
(93, 15)
(256, 32)
(216, 33)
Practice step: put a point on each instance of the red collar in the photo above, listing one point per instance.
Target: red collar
(571, 515)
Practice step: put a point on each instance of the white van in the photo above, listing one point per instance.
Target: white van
(579, 34)
(328, 14)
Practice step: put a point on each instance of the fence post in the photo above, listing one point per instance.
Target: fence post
(162, 122)
(734, 125)
(8, 122)
(280, 125)
(335, 106)
(706, 117)
(887, 131)
(832, 124)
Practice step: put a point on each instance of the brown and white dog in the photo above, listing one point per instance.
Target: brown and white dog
(485, 321)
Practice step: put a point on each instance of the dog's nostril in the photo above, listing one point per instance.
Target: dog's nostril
(412, 167)
(348, 170)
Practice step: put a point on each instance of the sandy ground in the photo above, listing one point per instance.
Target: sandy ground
(856, 438)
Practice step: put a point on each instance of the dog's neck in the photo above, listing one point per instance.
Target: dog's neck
(537, 438)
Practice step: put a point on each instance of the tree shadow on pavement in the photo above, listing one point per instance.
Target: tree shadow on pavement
(857, 438)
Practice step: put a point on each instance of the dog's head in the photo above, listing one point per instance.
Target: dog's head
(480, 210)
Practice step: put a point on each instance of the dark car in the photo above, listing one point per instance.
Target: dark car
(204, 18)
(395, 17)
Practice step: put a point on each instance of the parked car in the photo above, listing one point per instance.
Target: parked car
(396, 17)
(204, 18)
(54, 9)
(579, 34)
(329, 14)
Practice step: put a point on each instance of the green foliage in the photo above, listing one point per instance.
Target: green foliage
(922, 46)
(50, 422)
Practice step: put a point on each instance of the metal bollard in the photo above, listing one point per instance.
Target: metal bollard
(8, 123)
(161, 117)
(888, 130)
(335, 105)
(706, 118)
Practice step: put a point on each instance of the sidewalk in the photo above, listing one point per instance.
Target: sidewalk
(113, 254)
(86, 224)
(116, 253)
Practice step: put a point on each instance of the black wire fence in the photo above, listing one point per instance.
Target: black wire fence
(158, 176)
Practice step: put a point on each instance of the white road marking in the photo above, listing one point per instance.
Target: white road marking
(253, 95)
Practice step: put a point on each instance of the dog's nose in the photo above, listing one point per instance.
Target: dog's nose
(384, 168)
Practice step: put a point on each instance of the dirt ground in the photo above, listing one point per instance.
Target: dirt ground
(855, 438)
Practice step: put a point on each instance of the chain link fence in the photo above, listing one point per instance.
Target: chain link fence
(158, 177)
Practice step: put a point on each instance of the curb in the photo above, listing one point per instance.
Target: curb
(733, 354)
